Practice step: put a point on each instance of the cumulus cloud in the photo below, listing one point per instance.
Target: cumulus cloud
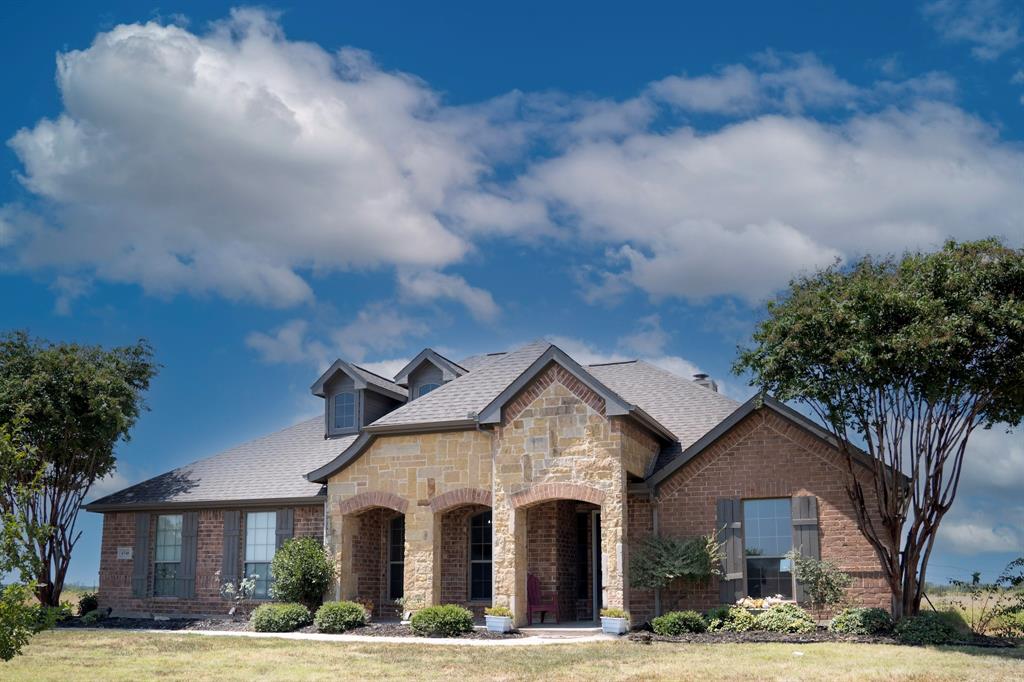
(991, 27)
(428, 286)
(289, 343)
(977, 534)
(235, 161)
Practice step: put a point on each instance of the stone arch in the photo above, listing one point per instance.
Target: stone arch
(543, 492)
(376, 498)
(458, 498)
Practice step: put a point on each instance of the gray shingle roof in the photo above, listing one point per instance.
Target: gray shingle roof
(685, 408)
(470, 393)
(377, 380)
(267, 468)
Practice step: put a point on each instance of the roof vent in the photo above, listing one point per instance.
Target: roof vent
(705, 381)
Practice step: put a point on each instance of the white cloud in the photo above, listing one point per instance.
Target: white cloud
(377, 328)
(994, 462)
(648, 339)
(992, 27)
(427, 286)
(979, 534)
(386, 368)
(585, 354)
(233, 161)
(68, 290)
(289, 344)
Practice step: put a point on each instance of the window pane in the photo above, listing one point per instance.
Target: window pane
(344, 410)
(262, 573)
(164, 576)
(767, 527)
(168, 538)
(769, 577)
(427, 388)
(396, 558)
(480, 537)
(480, 580)
(260, 536)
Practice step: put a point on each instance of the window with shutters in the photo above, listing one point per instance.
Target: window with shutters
(396, 558)
(260, 545)
(767, 538)
(480, 557)
(167, 560)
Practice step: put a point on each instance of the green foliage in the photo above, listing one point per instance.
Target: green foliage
(614, 613)
(75, 404)
(997, 606)
(824, 583)
(889, 353)
(785, 618)
(93, 617)
(730, 619)
(238, 594)
(862, 621)
(449, 620)
(499, 611)
(279, 617)
(302, 571)
(48, 616)
(678, 622)
(659, 561)
(88, 601)
(338, 616)
(927, 627)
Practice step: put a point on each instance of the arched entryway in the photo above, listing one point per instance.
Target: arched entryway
(374, 524)
(465, 544)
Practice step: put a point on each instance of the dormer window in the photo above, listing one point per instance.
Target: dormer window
(425, 389)
(345, 410)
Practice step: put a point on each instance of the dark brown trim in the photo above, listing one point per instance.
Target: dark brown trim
(208, 504)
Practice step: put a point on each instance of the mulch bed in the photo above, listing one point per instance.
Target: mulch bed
(187, 624)
(761, 637)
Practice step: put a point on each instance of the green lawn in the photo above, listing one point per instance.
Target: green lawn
(119, 655)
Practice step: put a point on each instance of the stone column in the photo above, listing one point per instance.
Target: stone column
(509, 556)
(422, 557)
(343, 530)
(614, 556)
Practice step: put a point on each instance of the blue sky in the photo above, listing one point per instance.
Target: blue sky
(258, 191)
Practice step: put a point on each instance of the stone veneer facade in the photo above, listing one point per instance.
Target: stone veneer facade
(115, 586)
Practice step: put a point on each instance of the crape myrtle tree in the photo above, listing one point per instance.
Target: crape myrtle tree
(902, 360)
(72, 404)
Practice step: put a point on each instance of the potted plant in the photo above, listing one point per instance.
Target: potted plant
(614, 621)
(498, 618)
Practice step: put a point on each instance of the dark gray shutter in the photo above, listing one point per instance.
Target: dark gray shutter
(186, 582)
(285, 525)
(229, 555)
(805, 532)
(730, 536)
(140, 556)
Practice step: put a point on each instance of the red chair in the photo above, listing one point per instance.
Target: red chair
(539, 601)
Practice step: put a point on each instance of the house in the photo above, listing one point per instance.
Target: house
(454, 481)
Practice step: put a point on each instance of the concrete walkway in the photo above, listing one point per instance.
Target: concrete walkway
(533, 640)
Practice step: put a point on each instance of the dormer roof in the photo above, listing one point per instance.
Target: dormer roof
(363, 379)
(449, 370)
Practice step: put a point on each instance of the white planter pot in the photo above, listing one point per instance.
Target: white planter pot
(614, 626)
(498, 623)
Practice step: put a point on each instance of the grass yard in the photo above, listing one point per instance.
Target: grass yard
(121, 655)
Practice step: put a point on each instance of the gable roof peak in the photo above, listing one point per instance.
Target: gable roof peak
(449, 370)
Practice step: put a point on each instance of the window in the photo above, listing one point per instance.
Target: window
(767, 537)
(480, 557)
(260, 545)
(425, 389)
(582, 555)
(345, 410)
(167, 563)
(396, 558)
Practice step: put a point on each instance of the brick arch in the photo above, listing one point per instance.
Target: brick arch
(543, 492)
(460, 497)
(376, 498)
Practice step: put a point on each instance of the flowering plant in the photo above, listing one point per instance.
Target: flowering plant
(760, 602)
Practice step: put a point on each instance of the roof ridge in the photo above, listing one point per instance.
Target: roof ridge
(370, 371)
(614, 362)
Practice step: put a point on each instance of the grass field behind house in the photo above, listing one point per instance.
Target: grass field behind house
(112, 655)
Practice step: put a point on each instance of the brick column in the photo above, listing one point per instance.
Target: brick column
(422, 557)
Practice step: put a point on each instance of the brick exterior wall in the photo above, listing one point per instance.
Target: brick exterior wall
(455, 559)
(115, 588)
(762, 456)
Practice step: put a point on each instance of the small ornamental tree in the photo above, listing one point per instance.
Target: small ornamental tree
(902, 360)
(824, 583)
(660, 561)
(302, 571)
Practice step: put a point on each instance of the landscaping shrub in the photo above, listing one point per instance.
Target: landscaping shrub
(927, 627)
(45, 617)
(730, 619)
(785, 618)
(449, 620)
(498, 611)
(614, 613)
(679, 622)
(338, 616)
(302, 571)
(93, 617)
(873, 621)
(279, 617)
(89, 601)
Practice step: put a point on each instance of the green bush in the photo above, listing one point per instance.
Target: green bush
(785, 618)
(89, 601)
(730, 619)
(302, 572)
(45, 617)
(93, 617)
(614, 613)
(679, 622)
(927, 627)
(449, 620)
(873, 621)
(338, 616)
(498, 611)
(279, 617)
